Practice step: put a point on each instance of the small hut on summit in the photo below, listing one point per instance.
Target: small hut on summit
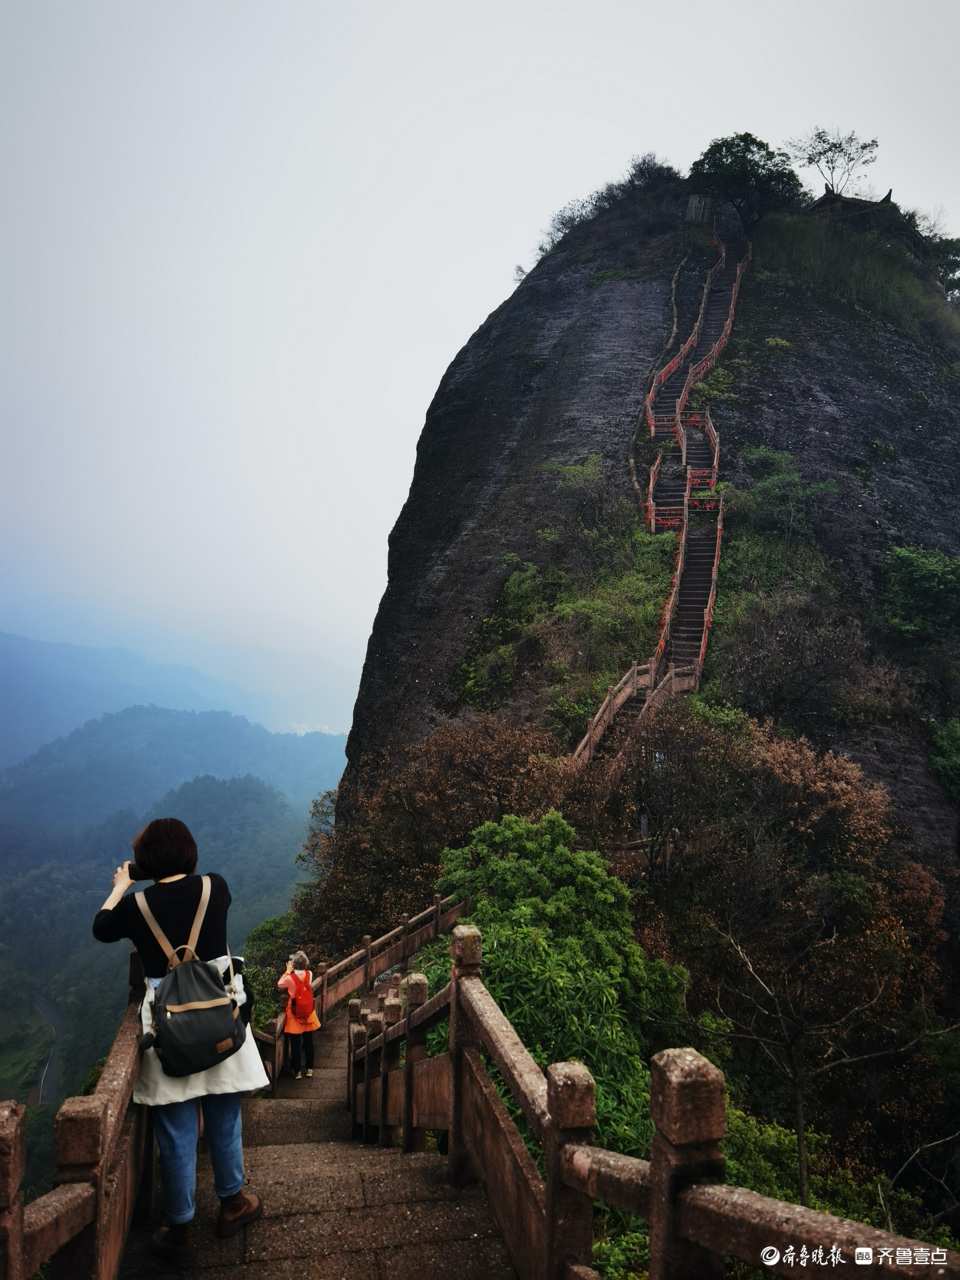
(882, 218)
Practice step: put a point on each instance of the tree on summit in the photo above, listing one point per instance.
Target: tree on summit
(754, 178)
(836, 156)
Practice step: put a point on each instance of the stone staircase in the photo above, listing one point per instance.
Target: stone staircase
(686, 633)
(335, 1209)
(689, 620)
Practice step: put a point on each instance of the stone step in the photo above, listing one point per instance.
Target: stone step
(284, 1121)
(338, 1210)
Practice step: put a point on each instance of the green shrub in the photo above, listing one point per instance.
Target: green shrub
(945, 756)
(922, 596)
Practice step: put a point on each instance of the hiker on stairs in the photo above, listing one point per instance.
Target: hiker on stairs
(301, 1014)
(166, 852)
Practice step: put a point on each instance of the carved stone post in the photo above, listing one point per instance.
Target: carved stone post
(405, 923)
(371, 1072)
(467, 953)
(13, 1152)
(389, 1059)
(355, 1078)
(416, 1050)
(321, 1000)
(78, 1136)
(687, 1107)
(353, 1015)
(571, 1106)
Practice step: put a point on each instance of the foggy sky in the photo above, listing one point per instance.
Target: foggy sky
(241, 242)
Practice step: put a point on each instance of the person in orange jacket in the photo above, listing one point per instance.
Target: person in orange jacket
(301, 1014)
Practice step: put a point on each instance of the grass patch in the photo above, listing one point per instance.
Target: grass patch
(568, 623)
(869, 271)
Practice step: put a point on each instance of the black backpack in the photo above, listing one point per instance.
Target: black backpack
(196, 1021)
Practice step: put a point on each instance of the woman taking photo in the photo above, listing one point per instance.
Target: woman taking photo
(166, 852)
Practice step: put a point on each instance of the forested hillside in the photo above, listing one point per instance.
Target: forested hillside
(127, 759)
(47, 690)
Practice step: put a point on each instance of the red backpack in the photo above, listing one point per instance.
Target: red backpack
(301, 1001)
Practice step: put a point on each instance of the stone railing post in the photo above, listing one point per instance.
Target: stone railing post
(321, 998)
(367, 963)
(389, 1061)
(466, 950)
(687, 1108)
(353, 1021)
(407, 953)
(437, 915)
(371, 1072)
(571, 1106)
(78, 1156)
(355, 1079)
(13, 1153)
(416, 1050)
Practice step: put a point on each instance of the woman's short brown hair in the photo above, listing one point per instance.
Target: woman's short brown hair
(165, 847)
(300, 960)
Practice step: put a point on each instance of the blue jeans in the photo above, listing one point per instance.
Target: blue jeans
(176, 1126)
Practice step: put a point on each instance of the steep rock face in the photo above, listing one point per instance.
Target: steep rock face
(556, 374)
(857, 404)
(871, 411)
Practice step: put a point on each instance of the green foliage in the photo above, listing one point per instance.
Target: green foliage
(571, 623)
(872, 271)
(715, 388)
(777, 499)
(755, 179)
(528, 877)
(566, 718)
(922, 595)
(945, 756)
(24, 1048)
(93, 1075)
(646, 174)
(37, 1179)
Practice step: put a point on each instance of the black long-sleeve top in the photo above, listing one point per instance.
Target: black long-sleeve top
(174, 906)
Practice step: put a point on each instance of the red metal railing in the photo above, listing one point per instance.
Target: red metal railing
(708, 612)
(661, 517)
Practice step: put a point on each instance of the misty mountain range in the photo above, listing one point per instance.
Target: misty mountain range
(48, 689)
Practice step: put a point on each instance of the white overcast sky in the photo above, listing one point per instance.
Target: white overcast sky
(240, 242)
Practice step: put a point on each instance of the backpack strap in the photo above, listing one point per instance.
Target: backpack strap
(191, 944)
(198, 918)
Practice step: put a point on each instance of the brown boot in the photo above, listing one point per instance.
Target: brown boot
(174, 1243)
(238, 1211)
